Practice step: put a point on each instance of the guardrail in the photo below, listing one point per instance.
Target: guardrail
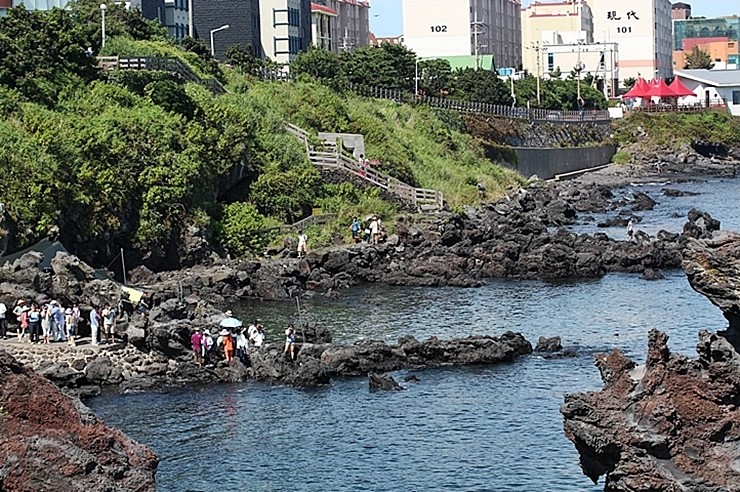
(161, 64)
(400, 96)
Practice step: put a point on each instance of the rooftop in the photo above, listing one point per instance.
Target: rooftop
(717, 78)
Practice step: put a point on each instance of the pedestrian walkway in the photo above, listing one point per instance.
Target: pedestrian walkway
(331, 157)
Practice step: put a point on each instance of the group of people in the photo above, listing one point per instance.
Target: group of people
(373, 233)
(236, 342)
(48, 322)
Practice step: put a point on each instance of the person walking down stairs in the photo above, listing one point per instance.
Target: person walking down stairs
(302, 244)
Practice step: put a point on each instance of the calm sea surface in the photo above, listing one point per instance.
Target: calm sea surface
(479, 429)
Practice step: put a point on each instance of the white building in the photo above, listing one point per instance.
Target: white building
(323, 19)
(713, 87)
(443, 28)
(351, 29)
(282, 32)
(643, 30)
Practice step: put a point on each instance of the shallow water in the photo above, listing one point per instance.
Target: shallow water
(474, 429)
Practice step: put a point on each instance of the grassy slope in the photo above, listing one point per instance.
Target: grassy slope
(673, 131)
(411, 143)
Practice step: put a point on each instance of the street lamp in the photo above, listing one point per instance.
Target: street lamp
(416, 77)
(579, 68)
(213, 31)
(103, 8)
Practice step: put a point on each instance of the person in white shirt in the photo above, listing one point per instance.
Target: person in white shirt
(3, 322)
(94, 325)
(302, 244)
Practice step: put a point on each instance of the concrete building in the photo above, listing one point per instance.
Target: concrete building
(442, 28)
(352, 27)
(642, 28)
(599, 60)
(558, 23)
(176, 18)
(680, 11)
(377, 41)
(285, 28)
(242, 17)
(714, 87)
(718, 36)
(322, 20)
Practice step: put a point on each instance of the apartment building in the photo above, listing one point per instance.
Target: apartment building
(242, 17)
(285, 28)
(643, 31)
(717, 36)
(558, 23)
(351, 27)
(323, 19)
(444, 28)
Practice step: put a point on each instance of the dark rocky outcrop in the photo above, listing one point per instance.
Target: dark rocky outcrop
(552, 344)
(713, 268)
(382, 382)
(50, 442)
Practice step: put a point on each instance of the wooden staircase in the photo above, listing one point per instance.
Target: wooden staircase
(330, 157)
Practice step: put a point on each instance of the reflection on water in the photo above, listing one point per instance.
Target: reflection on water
(473, 429)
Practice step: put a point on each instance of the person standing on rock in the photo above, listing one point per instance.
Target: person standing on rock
(242, 344)
(3, 321)
(109, 322)
(630, 230)
(196, 340)
(57, 322)
(228, 342)
(290, 342)
(46, 323)
(206, 346)
(356, 228)
(22, 319)
(34, 322)
(374, 231)
(94, 325)
(302, 243)
(71, 324)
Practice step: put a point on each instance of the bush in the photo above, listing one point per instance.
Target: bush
(239, 229)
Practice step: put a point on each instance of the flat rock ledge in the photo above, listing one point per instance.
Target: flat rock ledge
(82, 371)
(51, 442)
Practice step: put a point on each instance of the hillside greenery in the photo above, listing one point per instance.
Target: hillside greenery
(674, 130)
(133, 159)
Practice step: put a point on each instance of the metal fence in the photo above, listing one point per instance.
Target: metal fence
(161, 64)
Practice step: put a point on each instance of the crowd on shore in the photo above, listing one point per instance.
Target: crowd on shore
(235, 341)
(51, 322)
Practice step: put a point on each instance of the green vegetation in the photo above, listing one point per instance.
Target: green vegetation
(394, 67)
(698, 59)
(676, 129)
(132, 158)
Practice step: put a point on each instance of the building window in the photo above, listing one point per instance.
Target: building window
(735, 97)
(551, 62)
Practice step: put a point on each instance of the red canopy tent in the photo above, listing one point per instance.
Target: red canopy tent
(640, 89)
(680, 89)
(660, 89)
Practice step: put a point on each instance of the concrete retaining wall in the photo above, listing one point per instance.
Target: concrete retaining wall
(546, 163)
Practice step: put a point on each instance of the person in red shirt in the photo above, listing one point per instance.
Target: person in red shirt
(229, 348)
(197, 342)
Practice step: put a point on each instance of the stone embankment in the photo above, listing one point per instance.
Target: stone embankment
(49, 442)
(672, 424)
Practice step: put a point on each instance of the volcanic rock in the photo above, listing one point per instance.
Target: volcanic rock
(50, 442)
(671, 425)
(382, 382)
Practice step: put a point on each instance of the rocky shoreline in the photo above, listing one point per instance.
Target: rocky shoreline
(672, 423)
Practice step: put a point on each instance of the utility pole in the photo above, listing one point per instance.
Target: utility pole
(537, 47)
(478, 29)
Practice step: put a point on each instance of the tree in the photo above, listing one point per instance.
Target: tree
(243, 59)
(318, 63)
(556, 74)
(388, 66)
(43, 52)
(698, 59)
(119, 21)
(629, 82)
(435, 76)
(481, 86)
